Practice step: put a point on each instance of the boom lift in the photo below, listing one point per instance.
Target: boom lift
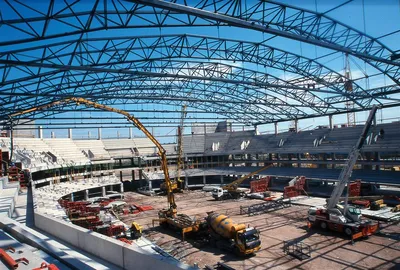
(169, 215)
(345, 218)
(231, 190)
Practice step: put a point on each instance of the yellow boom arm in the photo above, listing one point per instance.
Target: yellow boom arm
(131, 118)
(234, 185)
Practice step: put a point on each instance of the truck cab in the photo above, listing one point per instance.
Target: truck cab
(218, 193)
(353, 213)
(248, 241)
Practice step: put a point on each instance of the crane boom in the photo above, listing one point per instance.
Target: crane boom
(129, 117)
(180, 142)
(352, 159)
(233, 185)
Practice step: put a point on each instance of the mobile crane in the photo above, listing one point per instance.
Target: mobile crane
(345, 218)
(231, 190)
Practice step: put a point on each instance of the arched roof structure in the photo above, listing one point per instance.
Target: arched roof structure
(133, 52)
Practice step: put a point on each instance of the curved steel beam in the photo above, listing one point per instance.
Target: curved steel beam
(293, 23)
(218, 70)
(192, 46)
(189, 91)
(148, 74)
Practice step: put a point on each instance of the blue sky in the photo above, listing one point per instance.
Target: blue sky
(375, 17)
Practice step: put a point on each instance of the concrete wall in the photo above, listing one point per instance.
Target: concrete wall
(112, 250)
(40, 241)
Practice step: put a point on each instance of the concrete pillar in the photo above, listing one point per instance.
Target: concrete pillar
(122, 187)
(276, 128)
(72, 197)
(186, 181)
(130, 133)
(70, 133)
(118, 134)
(103, 191)
(298, 158)
(150, 185)
(40, 132)
(374, 121)
(222, 179)
(86, 195)
(256, 129)
(204, 179)
(89, 134)
(331, 121)
(368, 157)
(99, 133)
(52, 135)
(111, 188)
(296, 125)
(377, 158)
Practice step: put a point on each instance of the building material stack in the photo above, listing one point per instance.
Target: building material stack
(295, 188)
(259, 186)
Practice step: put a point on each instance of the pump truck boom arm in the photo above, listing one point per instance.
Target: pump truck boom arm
(234, 185)
(129, 117)
(352, 159)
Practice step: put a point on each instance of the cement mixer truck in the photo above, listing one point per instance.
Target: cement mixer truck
(225, 234)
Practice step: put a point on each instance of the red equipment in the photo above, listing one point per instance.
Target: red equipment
(122, 239)
(10, 262)
(355, 188)
(114, 230)
(260, 185)
(296, 189)
(142, 208)
(46, 266)
(363, 203)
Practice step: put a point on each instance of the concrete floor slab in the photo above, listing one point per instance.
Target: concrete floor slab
(330, 250)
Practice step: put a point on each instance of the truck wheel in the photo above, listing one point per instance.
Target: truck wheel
(348, 231)
(212, 242)
(323, 225)
(236, 251)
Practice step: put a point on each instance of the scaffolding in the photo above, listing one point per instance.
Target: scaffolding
(297, 249)
(265, 207)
